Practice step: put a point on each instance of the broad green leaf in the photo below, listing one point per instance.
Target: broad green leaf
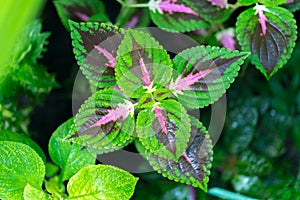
(105, 122)
(95, 45)
(19, 165)
(270, 34)
(69, 157)
(164, 129)
(16, 137)
(31, 193)
(203, 73)
(193, 167)
(176, 17)
(80, 11)
(142, 64)
(101, 182)
(51, 169)
(210, 12)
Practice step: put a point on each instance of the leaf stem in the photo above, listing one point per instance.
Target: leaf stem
(192, 192)
(139, 5)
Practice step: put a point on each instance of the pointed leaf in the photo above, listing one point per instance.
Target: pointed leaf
(175, 16)
(164, 129)
(95, 46)
(270, 34)
(202, 74)
(142, 64)
(19, 165)
(210, 10)
(101, 182)
(193, 167)
(69, 157)
(105, 122)
(80, 10)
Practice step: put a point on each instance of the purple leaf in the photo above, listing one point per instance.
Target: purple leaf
(105, 122)
(193, 166)
(95, 47)
(170, 7)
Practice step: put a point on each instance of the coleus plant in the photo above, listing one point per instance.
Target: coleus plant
(143, 95)
(267, 29)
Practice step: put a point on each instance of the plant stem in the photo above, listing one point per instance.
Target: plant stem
(139, 5)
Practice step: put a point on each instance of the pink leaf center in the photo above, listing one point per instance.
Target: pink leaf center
(132, 23)
(262, 19)
(108, 55)
(161, 119)
(114, 114)
(170, 7)
(186, 157)
(81, 16)
(145, 78)
(226, 38)
(221, 3)
(185, 83)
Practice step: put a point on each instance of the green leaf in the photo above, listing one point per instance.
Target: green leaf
(193, 167)
(51, 169)
(31, 193)
(7, 135)
(271, 2)
(140, 63)
(178, 21)
(271, 42)
(164, 129)
(101, 182)
(69, 157)
(95, 46)
(293, 5)
(203, 73)
(80, 11)
(247, 2)
(105, 122)
(208, 11)
(19, 165)
(55, 187)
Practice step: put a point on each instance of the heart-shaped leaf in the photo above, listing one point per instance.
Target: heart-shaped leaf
(95, 45)
(142, 64)
(69, 157)
(80, 11)
(101, 182)
(175, 16)
(202, 74)
(105, 122)
(164, 129)
(19, 165)
(211, 10)
(270, 34)
(193, 167)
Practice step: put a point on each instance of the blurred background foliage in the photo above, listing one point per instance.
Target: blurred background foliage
(257, 154)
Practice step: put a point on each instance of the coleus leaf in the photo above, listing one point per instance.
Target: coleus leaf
(80, 11)
(203, 73)
(134, 17)
(175, 15)
(193, 167)
(164, 129)
(270, 34)
(213, 11)
(105, 122)
(140, 63)
(95, 46)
